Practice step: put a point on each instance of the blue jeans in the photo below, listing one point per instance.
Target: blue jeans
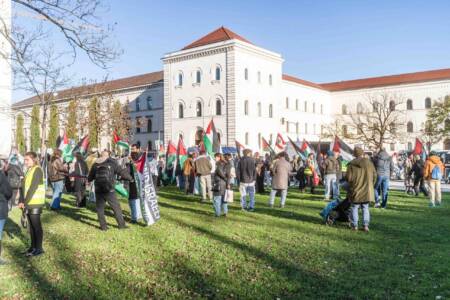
(219, 204)
(330, 185)
(273, 194)
(383, 185)
(354, 214)
(250, 191)
(2, 224)
(58, 187)
(135, 209)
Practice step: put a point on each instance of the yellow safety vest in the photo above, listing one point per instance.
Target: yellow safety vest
(38, 197)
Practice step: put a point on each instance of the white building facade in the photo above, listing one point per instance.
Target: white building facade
(224, 77)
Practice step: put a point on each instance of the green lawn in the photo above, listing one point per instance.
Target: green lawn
(270, 253)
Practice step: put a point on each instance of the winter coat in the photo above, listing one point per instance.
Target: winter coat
(117, 170)
(431, 162)
(281, 171)
(247, 170)
(203, 166)
(5, 195)
(57, 170)
(384, 164)
(221, 178)
(361, 176)
(14, 173)
(188, 167)
(417, 169)
(331, 165)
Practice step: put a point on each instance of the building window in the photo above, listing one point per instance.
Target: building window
(359, 108)
(305, 106)
(409, 104)
(314, 108)
(180, 111)
(321, 109)
(149, 124)
(428, 102)
(138, 104)
(246, 74)
(409, 127)
(198, 109)
(259, 140)
(180, 79)
(246, 107)
(297, 129)
(375, 107)
(344, 109)
(287, 102)
(392, 147)
(270, 79)
(314, 128)
(321, 129)
(296, 104)
(447, 144)
(344, 130)
(198, 77)
(218, 107)
(217, 73)
(246, 138)
(270, 111)
(149, 103)
(149, 146)
(287, 126)
(392, 105)
(259, 77)
(259, 109)
(409, 146)
(138, 125)
(306, 128)
(359, 129)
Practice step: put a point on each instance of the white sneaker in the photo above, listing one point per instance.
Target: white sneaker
(377, 205)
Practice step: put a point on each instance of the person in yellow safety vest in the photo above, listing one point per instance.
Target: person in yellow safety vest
(32, 202)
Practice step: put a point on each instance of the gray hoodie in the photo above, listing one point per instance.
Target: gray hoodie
(384, 164)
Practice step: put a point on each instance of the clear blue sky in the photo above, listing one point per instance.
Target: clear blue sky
(321, 41)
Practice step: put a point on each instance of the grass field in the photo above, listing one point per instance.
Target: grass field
(268, 254)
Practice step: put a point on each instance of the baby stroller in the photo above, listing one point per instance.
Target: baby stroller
(336, 211)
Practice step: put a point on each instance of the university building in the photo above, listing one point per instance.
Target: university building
(242, 87)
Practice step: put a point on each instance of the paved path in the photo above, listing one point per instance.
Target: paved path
(398, 185)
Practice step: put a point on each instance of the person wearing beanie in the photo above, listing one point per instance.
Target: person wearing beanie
(330, 169)
(361, 177)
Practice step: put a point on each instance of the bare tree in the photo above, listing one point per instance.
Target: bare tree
(377, 121)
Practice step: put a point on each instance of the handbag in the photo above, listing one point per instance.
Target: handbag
(229, 197)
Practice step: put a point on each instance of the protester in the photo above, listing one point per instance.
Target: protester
(433, 173)
(247, 176)
(5, 196)
(92, 157)
(407, 167)
(280, 180)
(384, 166)
(330, 169)
(203, 169)
(301, 178)
(417, 170)
(104, 172)
(310, 170)
(161, 167)
(259, 183)
(15, 175)
(221, 183)
(33, 201)
(56, 173)
(189, 174)
(361, 177)
(229, 160)
(80, 177)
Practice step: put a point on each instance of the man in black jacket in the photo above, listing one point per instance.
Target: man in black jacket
(104, 172)
(246, 174)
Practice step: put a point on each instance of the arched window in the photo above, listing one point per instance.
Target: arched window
(246, 74)
(246, 107)
(447, 144)
(259, 76)
(218, 107)
(287, 102)
(306, 128)
(180, 79)
(344, 109)
(314, 128)
(375, 106)
(344, 130)
(259, 140)
(149, 124)
(409, 104)
(138, 124)
(287, 126)
(270, 111)
(321, 109)
(180, 111)
(428, 102)
(259, 109)
(198, 109)
(410, 127)
(409, 146)
(149, 103)
(392, 147)
(359, 108)
(314, 107)
(305, 106)
(138, 143)
(270, 79)
(149, 145)
(217, 73)
(246, 138)
(198, 77)
(296, 104)
(392, 105)
(138, 104)
(297, 129)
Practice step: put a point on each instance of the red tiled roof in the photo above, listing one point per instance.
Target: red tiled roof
(301, 81)
(118, 84)
(387, 80)
(218, 35)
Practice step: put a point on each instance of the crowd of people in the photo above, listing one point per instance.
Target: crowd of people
(365, 179)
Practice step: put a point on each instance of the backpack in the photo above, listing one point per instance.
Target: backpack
(436, 173)
(104, 178)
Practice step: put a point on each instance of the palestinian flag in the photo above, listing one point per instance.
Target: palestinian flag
(280, 144)
(171, 154)
(266, 147)
(181, 152)
(119, 142)
(239, 148)
(82, 146)
(211, 140)
(306, 149)
(161, 150)
(297, 149)
(66, 149)
(140, 162)
(344, 149)
(420, 149)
